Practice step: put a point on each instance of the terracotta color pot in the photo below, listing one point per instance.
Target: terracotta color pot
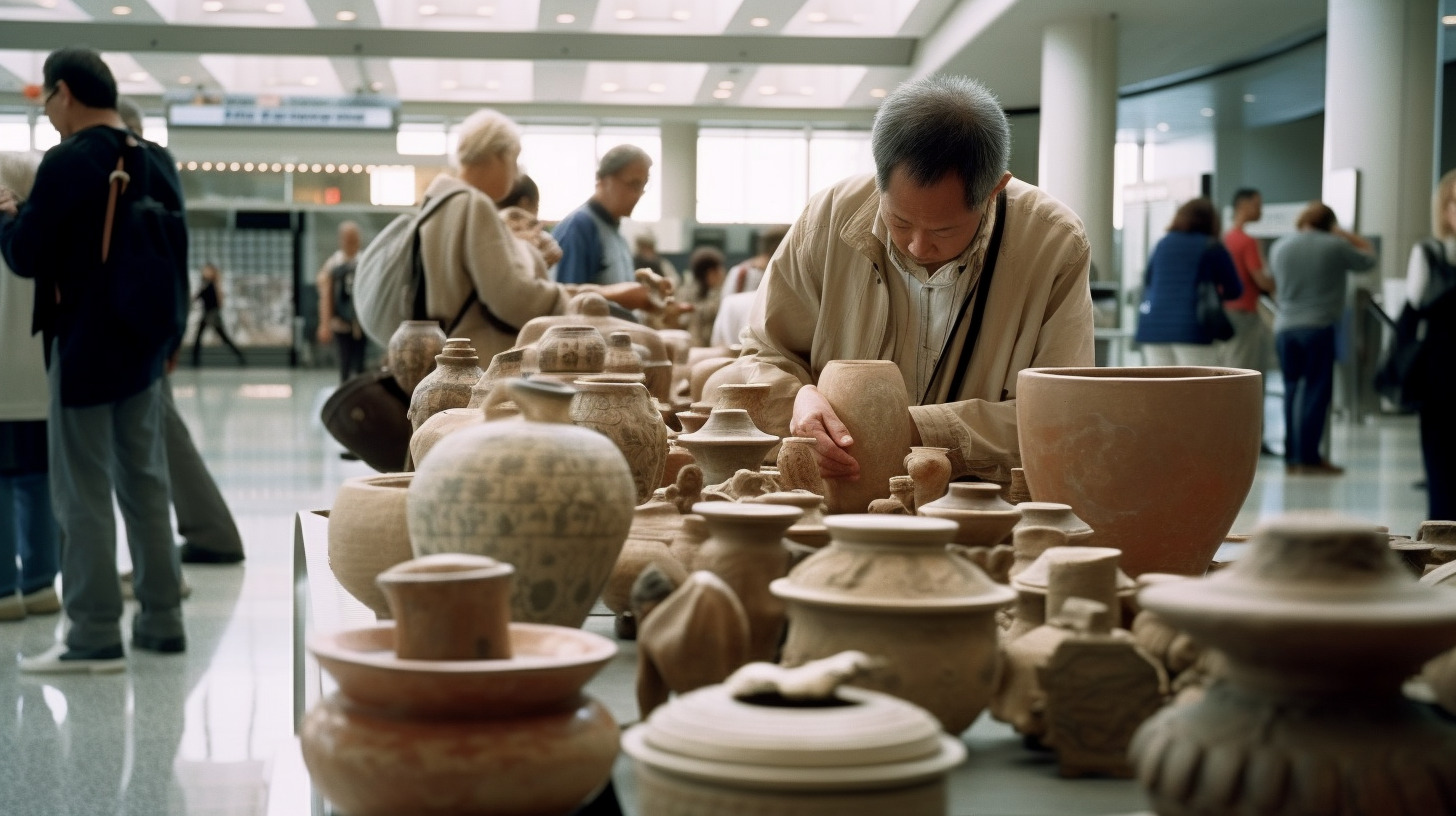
(809, 530)
(450, 606)
(566, 349)
(930, 468)
(412, 351)
(1320, 626)
(368, 534)
(886, 586)
(870, 399)
(621, 358)
(727, 442)
(1157, 460)
(625, 414)
(745, 548)
(982, 517)
(689, 539)
(457, 370)
(1017, 492)
(552, 499)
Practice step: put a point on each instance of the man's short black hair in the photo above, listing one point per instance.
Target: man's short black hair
(1244, 194)
(90, 80)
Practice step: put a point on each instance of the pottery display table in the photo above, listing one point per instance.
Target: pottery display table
(999, 778)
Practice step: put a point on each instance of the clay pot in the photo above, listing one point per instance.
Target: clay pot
(870, 399)
(745, 548)
(1058, 515)
(457, 370)
(841, 751)
(982, 517)
(505, 365)
(450, 606)
(798, 465)
(809, 530)
(692, 421)
(591, 309)
(886, 586)
(625, 414)
(368, 534)
(689, 539)
(1157, 460)
(621, 358)
(753, 398)
(1320, 626)
(930, 468)
(701, 371)
(439, 426)
(726, 443)
(412, 351)
(677, 458)
(1017, 492)
(567, 349)
(637, 555)
(901, 500)
(552, 499)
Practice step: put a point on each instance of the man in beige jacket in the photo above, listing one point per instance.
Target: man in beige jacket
(890, 267)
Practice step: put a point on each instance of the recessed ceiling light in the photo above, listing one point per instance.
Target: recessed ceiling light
(247, 167)
(806, 91)
(288, 168)
(485, 11)
(656, 87)
(429, 10)
(1206, 112)
(566, 19)
(1449, 19)
(192, 165)
(310, 81)
(275, 167)
(611, 87)
(137, 76)
(235, 167)
(681, 14)
(726, 84)
(767, 90)
(449, 84)
(1249, 97)
(121, 11)
(371, 168)
(759, 22)
(274, 8)
(184, 79)
(207, 165)
(878, 93)
(314, 168)
(212, 5)
(625, 14)
(492, 84)
(722, 93)
(358, 168)
(1162, 127)
(818, 17)
(346, 16)
(328, 168)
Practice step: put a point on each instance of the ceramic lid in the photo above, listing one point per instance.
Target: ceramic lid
(1037, 575)
(849, 739)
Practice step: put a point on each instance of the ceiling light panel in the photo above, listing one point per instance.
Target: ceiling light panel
(797, 86)
(260, 13)
(282, 76)
(131, 78)
(643, 83)
(483, 81)
(850, 18)
(664, 16)
(459, 15)
(42, 11)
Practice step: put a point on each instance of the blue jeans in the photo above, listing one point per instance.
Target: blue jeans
(27, 529)
(1307, 359)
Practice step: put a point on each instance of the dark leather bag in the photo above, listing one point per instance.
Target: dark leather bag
(367, 415)
(1208, 309)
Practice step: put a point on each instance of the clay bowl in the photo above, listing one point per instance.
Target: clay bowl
(548, 667)
(1156, 460)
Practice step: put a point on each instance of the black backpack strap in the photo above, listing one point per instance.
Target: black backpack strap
(978, 314)
(420, 311)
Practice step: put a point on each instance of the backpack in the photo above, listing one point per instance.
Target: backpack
(389, 282)
(342, 278)
(144, 248)
(1402, 374)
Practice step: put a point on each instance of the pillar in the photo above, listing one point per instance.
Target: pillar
(679, 178)
(1079, 125)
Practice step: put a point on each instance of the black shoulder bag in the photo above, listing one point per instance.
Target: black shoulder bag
(1401, 377)
(978, 314)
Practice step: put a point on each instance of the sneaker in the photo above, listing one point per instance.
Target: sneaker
(193, 554)
(12, 608)
(59, 659)
(43, 601)
(164, 645)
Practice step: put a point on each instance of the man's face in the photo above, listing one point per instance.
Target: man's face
(349, 241)
(930, 225)
(621, 191)
(54, 107)
(1254, 208)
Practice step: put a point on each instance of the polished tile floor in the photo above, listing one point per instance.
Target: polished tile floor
(202, 733)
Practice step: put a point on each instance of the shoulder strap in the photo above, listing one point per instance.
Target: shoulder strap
(420, 310)
(1442, 280)
(982, 291)
(118, 181)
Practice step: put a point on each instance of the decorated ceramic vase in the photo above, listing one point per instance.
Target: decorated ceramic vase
(591, 309)
(369, 533)
(625, 413)
(869, 397)
(567, 350)
(457, 370)
(1320, 626)
(412, 351)
(886, 586)
(1157, 460)
(727, 442)
(745, 548)
(982, 517)
(753, 398)
(552, 499)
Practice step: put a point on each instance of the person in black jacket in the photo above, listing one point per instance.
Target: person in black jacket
(104, 364)
(210, 295)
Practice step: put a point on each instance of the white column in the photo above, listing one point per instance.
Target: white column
(1380, 101)
(679, 178)
(1079, 124)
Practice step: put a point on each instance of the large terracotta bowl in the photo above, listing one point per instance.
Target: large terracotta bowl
(1157, 460)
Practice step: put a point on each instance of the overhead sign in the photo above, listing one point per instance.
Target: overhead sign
(352, 113)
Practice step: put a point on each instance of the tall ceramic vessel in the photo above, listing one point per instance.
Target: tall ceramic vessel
(625, 413)
(1320, 626)
(412, 351)
(1157, 460)
(548, 497)
(369, 533)
(457, 370)
(745, 548)
(727, 442)
(870, 399)
(886, 586)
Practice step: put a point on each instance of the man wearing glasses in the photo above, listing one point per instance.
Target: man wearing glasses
(592, 247)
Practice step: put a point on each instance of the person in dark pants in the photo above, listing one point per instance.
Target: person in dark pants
(1428, 287)
(1309, 274)
(337, 319)
(211, 297)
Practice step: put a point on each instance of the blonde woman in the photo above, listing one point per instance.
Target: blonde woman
(1431, 286)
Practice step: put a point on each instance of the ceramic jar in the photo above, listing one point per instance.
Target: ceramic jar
(624, 413)
(694, 418)
(982, 517)
(886, 586)
(369, 533)
(505, 365)
(621, 358)
(412, 351)
(1058, 515)
(842, 751)
(869, 397)
(727, 442)
(745, 548)
(439, 426)
(699, 373)
(552, 499)
(654, 525)
(753, 398)
(450, 606)
(930, 468)
(571, 350)
(799, 465)
(1157, 460)
(677, 458)
(1320, 625)
(591, 309)
(1017, 492)
(457, 370)
(809, 530)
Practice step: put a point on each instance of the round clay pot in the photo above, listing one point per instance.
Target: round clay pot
(637, 555)
(368, 534)
(625, 414)
(568, 349)
(450, 606)
(982, 517)
(809, 530)
(798, 465)
(678, 457)
(440, 426)
(693, 421)
(886, 586)
(1320, 626)
(689, 539)
(591, 309)
(621, 358)
(1157, 460)
(753, 398)
(552, 499)
(930, 468)
(869, 397)
(745, 548)
(412, 351)
(457, 370)
(727, 442)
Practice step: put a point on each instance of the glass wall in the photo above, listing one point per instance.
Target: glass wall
(765, 176)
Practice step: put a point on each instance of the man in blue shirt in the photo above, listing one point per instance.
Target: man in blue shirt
(592, 247)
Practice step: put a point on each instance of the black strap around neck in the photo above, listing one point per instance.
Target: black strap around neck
(983, 289)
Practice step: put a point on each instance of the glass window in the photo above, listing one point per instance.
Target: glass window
(155, 129)
(416, 139)
(46, 137)
(838, 154)
(751, 176)
(562, 160)
(14, 133)
(393, 185)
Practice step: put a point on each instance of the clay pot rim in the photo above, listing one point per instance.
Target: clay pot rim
(445, 568)
(379, 481)
(856, 528)
(761, 512)
(995, 596)
(1134, 374)
(739, 430)
(594, 650)
(1439, 575)
(1243, 604)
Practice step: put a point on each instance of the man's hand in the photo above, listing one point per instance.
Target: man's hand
(626, 295)
(9, 203)
(814, 417)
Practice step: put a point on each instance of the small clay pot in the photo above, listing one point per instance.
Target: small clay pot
(369, 533)
(982, 518)
(412, 351)
(451, 606)
(930, 468)
(571, 350)
(726, 443)
(457, 370)
(799, 465)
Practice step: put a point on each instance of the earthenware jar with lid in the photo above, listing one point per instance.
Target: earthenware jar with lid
(745, 547)
(869, 397)
(776, 742)
(1320, 626)
(457, 370)
(885, 585)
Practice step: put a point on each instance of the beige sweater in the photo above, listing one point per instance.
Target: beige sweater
(825, 298)
(466, 246)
